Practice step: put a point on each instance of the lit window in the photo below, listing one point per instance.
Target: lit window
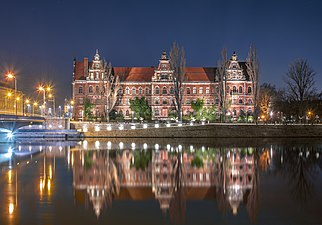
(194, 90)
(134, 91)
(200, 90)
(140, 91)
(207, 90)
(164, 90)
(127, 90)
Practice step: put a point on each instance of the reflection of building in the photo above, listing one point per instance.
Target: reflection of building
(156, 85)
(239, 176)
(96, 176)
(142, 175)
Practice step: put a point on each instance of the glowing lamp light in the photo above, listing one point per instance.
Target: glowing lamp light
(109, 127)
(157, 125)
(156, 146)
(145, 146)
(11, 208)
(191, 123)
(121, 145)
(145, 125)
(133, 127)
(97, 128)
(133, 146)
(10, 135)
(168, 147)
(179, 124)
(168, 125)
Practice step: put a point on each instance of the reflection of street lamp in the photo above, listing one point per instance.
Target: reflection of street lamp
(59, 111)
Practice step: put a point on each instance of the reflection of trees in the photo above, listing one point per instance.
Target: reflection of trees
(178, 203)
(253, 197)
(300, 168)
(141, 159)
(264, 160)
(221, 187)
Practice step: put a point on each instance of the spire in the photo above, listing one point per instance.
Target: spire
(97, 56)
(164, 55)
(234, 56)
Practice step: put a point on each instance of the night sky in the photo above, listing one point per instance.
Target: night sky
(39, 39)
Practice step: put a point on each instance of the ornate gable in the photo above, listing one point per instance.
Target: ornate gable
(96, 70)
(234, 71)
(163, 71)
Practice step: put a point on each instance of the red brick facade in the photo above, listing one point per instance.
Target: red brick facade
(156, 85)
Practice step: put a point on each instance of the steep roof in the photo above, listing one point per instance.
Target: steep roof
(134, 74)
(200, 74)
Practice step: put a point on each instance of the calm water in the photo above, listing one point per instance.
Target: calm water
(162, 182)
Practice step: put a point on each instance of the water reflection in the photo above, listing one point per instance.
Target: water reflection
(172, 175)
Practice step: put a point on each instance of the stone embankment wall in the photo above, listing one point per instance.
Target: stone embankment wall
(214, 131)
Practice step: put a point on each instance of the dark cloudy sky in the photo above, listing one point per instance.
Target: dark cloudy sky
(41, 38)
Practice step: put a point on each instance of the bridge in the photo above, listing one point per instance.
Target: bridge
(13, 122)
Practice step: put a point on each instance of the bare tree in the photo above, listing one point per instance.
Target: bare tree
(178, 64)
(110, 87)
(252, 66)
(300, 83)
(222, 65)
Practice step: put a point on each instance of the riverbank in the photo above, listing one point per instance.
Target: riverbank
(213, 131)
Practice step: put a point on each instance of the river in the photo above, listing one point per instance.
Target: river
(162, 181)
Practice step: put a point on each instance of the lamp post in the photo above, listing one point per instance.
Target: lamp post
(35, 104)
(52, 98)
(11, 76)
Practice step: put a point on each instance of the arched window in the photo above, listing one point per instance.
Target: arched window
(127, 113)
(194, 90)
(157, 102)
(147, 91)
(80, 90)
(121, 112)
(157, 90)
(201, 90)
(121, 90)
(188, 91)
(250, 101)
(156, 112)
(234, 89)
(140, 91)
(207, 90)
(240, 89)
(164, 101)
(90, 89)
(240, 101)
(164, 90)
(249, 90)
(171, 90)
(127, 90)
(97, 89)
(133, 91)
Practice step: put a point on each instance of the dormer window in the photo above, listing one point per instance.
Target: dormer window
(164, 76)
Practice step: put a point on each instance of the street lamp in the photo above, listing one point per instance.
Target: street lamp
(11, 76)
(52, 98)
(35, 104)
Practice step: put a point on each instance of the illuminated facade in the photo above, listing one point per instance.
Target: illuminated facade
(156, 85)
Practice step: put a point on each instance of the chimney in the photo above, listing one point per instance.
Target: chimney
(85, 67)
